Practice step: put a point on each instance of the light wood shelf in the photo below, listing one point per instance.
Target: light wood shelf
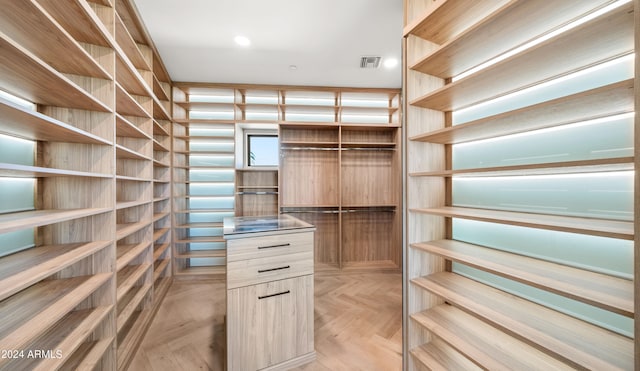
(590, 226)
(160, 199)
(159, 249)
(438, 355)
(28, 77)
(125, 253)
(159, 130)
(133, 179)
(128, 204)
(159, 110)
(199, 225)
(568, 167)
(126, 105)
(132, 299)
(159, 147)
(124, 230)
(200, 239)
(480, 43)
(22, 269)
(32, 125)
(24, 171)
(158, 90)
(31, 312)
(574, 341)
(127, 278)
(160, 232)
(129, 46)
(23, 19)
(80, 21)
(126, 153)
(128, 344)
(599, 40)
(600, 290)
(125, 128)
(446, 19)
(221, 253)
(492, 56)
(67, 336)
(160, 267)
(200, 271)
(608, 100)
(29, 219)
(88, 355)
(157, 163)
(503, 352)
(158, 216)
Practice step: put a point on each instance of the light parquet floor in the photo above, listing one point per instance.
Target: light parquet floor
(358, 325)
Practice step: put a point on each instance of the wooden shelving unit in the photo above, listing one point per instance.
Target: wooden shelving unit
(88, 285)
(459, 292)
(343, 177)
(256, 192)
(203, 188)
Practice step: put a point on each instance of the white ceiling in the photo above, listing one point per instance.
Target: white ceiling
(323, 38)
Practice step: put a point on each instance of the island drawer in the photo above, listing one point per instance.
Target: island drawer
(267, 246)
(253, 271)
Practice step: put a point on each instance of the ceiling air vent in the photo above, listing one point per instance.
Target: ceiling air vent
(370, 62)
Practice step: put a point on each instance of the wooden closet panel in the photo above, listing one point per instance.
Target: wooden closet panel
(369, 178)
(309, 178)
(326, 236)
(370, 237)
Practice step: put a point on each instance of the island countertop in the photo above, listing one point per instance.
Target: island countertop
(239, 227)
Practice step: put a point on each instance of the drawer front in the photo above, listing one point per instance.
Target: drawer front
(253, 271)
(269, 323)
(265, 246)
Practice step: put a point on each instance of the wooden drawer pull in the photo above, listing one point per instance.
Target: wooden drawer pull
(272, 246)
(273, 269)
(276, 294)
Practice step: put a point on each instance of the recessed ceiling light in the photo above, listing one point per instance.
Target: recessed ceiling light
(293, 67)
(390, 62)
(242, 41)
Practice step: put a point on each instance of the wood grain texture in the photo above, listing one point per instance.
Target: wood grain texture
(600, 290)
(608, 100)
(479, 43)
(443, 20)
(576, 342)
(357, 325)
(439, 356)
(27, 76)
(21, 20)
(276, 328)
(602, 39)
(487, 346)
(269, 246)
(590, 226)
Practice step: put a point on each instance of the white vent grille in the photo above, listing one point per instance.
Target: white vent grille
(370, 62)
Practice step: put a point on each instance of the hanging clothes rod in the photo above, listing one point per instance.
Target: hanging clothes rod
(257, 193)
(367, 149)
(311, 148)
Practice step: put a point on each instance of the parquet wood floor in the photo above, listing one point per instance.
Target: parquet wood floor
(358, 325)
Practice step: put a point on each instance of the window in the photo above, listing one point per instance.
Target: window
(261, 149)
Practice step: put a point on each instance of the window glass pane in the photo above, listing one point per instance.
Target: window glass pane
(262, 150)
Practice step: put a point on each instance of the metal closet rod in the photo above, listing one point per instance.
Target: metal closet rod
(256, 193)
(339, 149)
(386, 210)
